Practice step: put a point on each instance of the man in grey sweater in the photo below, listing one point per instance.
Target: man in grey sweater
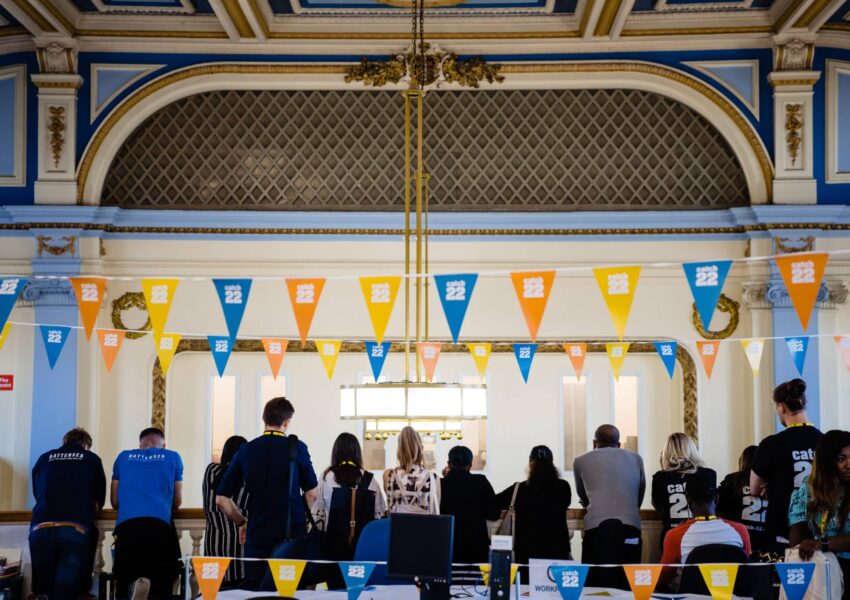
(610, 484)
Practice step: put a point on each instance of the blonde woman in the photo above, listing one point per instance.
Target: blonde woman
(410, 487)
(679, 458)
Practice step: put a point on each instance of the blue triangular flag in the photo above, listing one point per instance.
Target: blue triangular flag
(356, 575)
(795, 578)
(10, 289)
(455, 292)
(570, 580)
(221, 346)
(54, 338)
(524, 355)
(233, 295)
(798, 346)
(706, 281)
(377, 354)
(667, 352)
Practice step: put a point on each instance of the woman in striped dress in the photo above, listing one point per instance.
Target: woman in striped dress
(222, 535)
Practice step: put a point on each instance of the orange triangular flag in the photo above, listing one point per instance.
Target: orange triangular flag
(110, 344)
(802, 274)
(209, 573)
(708, 354)
(642, 579)
(275, 351)
(532, 291)
(577, 354)
(304, 296)
(428, 353)
(89, 291)
(843, 342)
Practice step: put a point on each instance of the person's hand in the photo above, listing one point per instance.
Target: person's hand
(243, 532)
(808, 548)
(446, 470)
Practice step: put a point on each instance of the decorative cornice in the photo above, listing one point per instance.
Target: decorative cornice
(48, 292)
(769, 295)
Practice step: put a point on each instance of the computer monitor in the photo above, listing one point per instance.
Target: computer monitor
(421, 550)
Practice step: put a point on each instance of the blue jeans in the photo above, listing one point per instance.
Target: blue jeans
(62, 562)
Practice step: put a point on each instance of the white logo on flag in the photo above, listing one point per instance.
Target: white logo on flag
(233, 294)
(456, 290)
(358, 571)
(643, 577)
(159, 294)
(221, 346)
(569, 579)
(328, 350)
(708, 350)
(532, 287)
(88, 292)
(275, 348)
(666, 350)
(480, 351)
(719, 579)
(210, 571)
(54, 336)
(795, 345)
(380, 293)
(707, 276)
(525, 352)
(429, 352)
(802, 272)
(9, 286)
(305, 293)
(286, 573)
(618, 284)
(617, 352)
(110, 340)
(575, 351)
(166, 343)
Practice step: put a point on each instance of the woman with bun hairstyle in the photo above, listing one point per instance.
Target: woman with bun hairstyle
(783, 461)
(540, 503)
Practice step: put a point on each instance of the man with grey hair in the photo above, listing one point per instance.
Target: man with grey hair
(610, 483)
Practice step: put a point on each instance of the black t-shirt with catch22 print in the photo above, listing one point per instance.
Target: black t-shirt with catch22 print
(735, 503)
(668, 495)
(784, 461)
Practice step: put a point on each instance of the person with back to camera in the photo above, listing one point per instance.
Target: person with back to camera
(735, 502)
(784, 460)
(540, 503)
(819, 514)
(221, 537)
(679, 459)
(410, 487)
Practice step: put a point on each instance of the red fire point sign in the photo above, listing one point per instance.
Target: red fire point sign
(7, 383)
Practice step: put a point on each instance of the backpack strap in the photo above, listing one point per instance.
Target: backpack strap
(293, 458)
(359, 490)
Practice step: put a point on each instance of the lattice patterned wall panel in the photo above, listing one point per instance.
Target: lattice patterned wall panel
(487, 151)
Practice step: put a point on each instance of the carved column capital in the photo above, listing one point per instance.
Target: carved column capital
(56, 58)
(773, 294)
(48, 292)
(793, 55)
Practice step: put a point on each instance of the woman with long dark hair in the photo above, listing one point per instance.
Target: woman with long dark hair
(819, 515)
(540, 504)
(222, 534)
(735, 503)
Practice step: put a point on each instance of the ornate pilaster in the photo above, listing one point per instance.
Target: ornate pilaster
(770, 295)
(793, 82)
(57, 116)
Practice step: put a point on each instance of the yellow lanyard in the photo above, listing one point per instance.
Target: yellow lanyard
(799, 425)
(708, 518)
(274, 433)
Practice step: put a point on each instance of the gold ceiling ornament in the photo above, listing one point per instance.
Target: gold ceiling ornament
(125, 302)
(440, 67)
(724, 304)
(793, 129)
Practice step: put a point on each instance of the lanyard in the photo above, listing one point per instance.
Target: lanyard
(708, 518)
(799, 425)
(278, 433)
(347, 462)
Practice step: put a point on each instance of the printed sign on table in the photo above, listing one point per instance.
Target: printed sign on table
(329, 353)
(89, 292)
(110, 343)
(802, 274)
(667, 352)
(304, 296)
(455, 291)
(380, 294)
(10, 288)
(706, 282)
(233, 296)
(616, 356)
(754, 349)
(275, 351)
(209, 572)
(377, 354)
(532, 290)
(54, 338)
(159, 294)
(617, 285)
(577, 354)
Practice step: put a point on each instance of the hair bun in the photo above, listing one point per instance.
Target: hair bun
(797, 387)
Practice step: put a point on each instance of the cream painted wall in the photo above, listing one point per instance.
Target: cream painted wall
(116, 406)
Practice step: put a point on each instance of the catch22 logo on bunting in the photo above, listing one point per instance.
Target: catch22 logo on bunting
(455, 291)
(706, 282)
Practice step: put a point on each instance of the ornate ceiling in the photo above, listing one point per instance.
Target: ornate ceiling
(572, 21)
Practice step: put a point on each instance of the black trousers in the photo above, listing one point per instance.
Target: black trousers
(146, 547)
(611, 543)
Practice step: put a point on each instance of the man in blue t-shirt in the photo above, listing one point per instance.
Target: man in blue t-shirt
(275, 503)
(69, 488)
(147, 484)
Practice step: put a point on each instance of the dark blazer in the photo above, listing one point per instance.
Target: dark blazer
(472, 501)
(541, 521)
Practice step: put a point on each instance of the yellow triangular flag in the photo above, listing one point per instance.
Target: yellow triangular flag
(616, 356)
(159, 293)
(481, 355)
(166, 346)
(617, 285)
(329, 352)
(720, 580)
(380, 293)
(753, 349)
(485, 573)
(286, 575)
(4, 334)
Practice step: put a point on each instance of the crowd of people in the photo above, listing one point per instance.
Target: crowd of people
(264, 500)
